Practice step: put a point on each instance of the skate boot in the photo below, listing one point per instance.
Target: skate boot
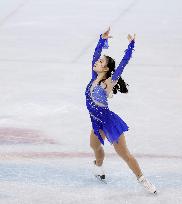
(147, 185)
(99, 172)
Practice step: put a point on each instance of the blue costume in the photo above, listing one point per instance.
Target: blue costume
(96, 98)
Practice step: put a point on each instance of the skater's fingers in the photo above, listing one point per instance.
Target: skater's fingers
(129, 37)
(134, 36)
(107, 31)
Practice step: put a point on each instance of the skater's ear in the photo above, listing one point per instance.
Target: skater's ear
(106, 69)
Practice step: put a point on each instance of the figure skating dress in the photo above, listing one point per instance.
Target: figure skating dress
(96, 98)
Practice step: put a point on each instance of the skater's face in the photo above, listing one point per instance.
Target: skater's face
(101, 65)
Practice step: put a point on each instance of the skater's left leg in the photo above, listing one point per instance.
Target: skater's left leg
(122, 151)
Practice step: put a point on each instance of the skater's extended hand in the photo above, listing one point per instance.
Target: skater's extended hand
(130, 38)
(106, 34)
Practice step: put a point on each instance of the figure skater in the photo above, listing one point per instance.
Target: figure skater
(106, 81)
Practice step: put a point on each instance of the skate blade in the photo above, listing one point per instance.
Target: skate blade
(153, 193)
(101, 180)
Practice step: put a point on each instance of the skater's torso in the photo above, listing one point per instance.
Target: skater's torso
(96, 100)
(96, 95)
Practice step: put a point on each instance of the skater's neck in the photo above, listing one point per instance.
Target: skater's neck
(100, 76)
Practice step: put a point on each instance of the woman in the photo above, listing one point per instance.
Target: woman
(105, 82)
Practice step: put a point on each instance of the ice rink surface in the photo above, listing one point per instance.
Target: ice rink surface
(46, 50)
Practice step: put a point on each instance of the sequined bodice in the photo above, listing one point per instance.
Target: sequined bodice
(99, 95)
(96, 95)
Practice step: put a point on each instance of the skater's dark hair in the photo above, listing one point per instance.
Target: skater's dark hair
(121, 85)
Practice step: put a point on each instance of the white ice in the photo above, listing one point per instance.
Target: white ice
(46, 50)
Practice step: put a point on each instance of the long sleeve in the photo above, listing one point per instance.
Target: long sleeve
(102, 44)
(124, 61)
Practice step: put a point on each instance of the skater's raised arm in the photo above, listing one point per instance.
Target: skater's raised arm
(102, 44)
(125, 59)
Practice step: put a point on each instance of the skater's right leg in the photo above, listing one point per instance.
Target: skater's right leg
(97, 147)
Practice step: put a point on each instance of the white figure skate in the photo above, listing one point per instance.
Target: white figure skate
(147, 185)
(99, 172)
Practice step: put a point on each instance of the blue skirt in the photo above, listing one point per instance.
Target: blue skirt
(112, 125)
